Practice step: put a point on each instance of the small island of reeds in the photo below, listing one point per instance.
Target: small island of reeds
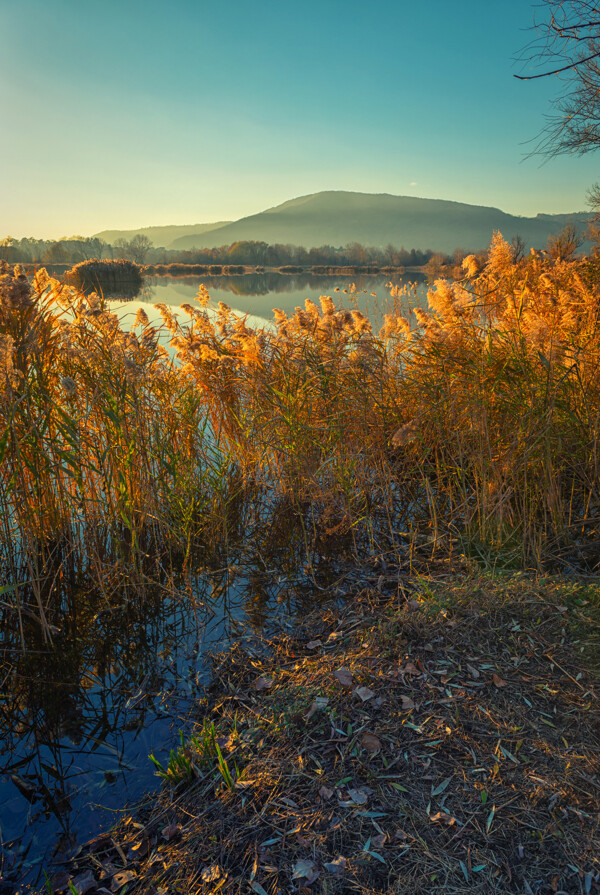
(114, 277)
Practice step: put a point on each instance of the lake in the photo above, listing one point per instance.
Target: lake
(257, 294)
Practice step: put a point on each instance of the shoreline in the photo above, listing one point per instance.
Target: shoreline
(175, 270)
(431, 733)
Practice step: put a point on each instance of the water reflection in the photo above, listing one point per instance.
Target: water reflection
(79, 720)
(258, 294)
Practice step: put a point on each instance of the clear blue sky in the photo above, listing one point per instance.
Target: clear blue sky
(130, 113)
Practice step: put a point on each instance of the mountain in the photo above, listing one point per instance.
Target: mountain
(338, 218)
(159, 236)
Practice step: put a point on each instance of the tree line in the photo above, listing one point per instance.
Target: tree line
(75, 249)
(139, 250)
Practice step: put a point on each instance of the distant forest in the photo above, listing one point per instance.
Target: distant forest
(75, 249)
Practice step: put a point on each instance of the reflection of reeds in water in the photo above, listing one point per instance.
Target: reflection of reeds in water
(266, 282)
(76, 717)
(482, 423)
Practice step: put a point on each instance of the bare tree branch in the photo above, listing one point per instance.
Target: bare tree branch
(567, 47)
(556, 71)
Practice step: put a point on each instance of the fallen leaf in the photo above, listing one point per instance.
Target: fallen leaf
(358, 796)
(263, 683)
(407, 703)
(398, 786)
(211, 874)
(84, 882)
(344, 676)
(320, 702)
(337, 866)
(498, 681)
(364, 693)
(314, 644)
(325, 793)
(409, 668)
(305, 869)
(140, 849)
(440, 789)
(101, 844)
(108, 870)
(256, 887)
(60, 881)
(443, 818)
(171, 831)
(370, 742)
(120, 879)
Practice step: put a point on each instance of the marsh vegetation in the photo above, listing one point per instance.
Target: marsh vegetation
(107, 278)
(479, 425)
(129, 467)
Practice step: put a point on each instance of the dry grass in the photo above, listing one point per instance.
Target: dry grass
(477, 430)
(115, 277)
(437, 735)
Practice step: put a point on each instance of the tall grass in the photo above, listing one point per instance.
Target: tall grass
(478, 426)
(114, 277)
(104, 452)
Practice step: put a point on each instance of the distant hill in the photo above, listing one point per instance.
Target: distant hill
(159, 236)
(338, 218)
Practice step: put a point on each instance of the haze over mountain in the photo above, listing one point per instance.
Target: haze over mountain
(337, 218)
(159, 236)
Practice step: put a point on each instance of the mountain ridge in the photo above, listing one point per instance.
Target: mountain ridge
(340, 217)
(157, 233)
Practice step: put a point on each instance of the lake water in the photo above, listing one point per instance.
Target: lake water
(256, 295)
(78, 722)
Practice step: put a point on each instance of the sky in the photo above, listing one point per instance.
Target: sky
(132, 113)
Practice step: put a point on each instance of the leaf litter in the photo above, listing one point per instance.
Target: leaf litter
(435, 783)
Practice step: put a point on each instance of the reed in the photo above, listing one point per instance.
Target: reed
(191, 758)
(114, 277)
(476, 429)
